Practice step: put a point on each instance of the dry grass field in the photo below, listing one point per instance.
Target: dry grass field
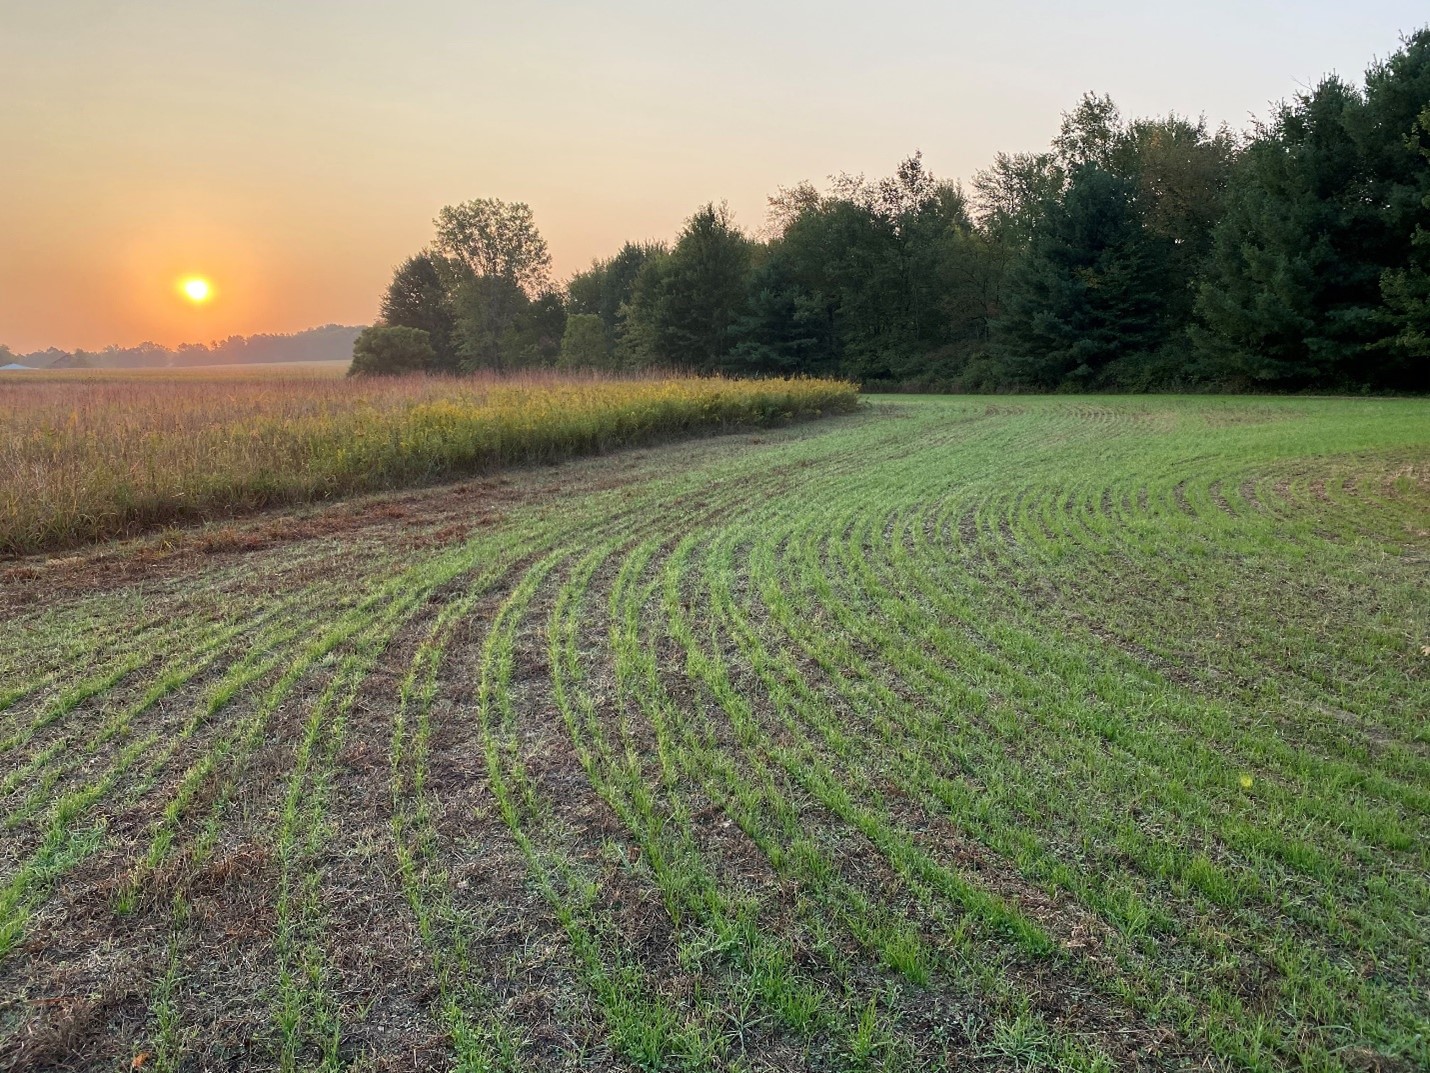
(92, 455)
(996, 734)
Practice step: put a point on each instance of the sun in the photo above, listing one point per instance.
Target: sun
(196, 289)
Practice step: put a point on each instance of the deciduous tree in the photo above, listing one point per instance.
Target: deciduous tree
(419, 297)
(391, 350)
(492, 239)
(584, 344)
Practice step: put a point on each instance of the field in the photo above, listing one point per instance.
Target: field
(91, 455)
(996, 734)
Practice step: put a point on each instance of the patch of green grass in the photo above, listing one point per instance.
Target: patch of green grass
(1046, 733)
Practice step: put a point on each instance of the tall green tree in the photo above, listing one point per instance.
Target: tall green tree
(497, 272)
(487, 309)
(684, 305)
(1087, 292)
(1010, 196)
(1090, 135)
(1179, 170)
(584, 344)
(1283, 303)
(605, 289)
(1398, 102)
(1407, 297)
(501, 329)
(1314, 264)
(535, 340)
(782, 327)
(891, 272)
(492, 239)
(1182, 170)
(419, 297)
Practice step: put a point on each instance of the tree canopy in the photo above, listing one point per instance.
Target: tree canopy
(684, 304)
(392, 350)
(491, 239)
(1131, 253)
(481, 292)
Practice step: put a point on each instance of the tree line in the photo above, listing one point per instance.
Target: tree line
(331, 342)
(1131, 254)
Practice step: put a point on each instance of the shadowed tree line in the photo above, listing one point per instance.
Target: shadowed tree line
(1131, 254)
(331, 342)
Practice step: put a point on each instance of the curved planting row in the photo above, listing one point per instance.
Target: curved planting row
(1056, 735)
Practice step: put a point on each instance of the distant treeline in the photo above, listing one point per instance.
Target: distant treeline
(332, 342)
(1130, 255)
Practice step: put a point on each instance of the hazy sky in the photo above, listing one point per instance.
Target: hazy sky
(294, 151)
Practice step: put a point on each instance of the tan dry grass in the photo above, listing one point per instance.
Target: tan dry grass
(97, 455)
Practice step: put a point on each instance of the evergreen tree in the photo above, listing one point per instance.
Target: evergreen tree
(1088, 290)
(1407, 306)
(1313, 279)
(782, 328)
(1277, 283)
(684, 305)
(1393, 91)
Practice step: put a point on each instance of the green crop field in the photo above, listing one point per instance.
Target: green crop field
(998, 734)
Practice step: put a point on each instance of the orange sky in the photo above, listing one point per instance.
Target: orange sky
(293, 153)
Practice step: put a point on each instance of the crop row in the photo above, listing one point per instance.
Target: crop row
(1048, 735)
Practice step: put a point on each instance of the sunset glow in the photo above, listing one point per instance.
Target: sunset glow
(197, 290)
(289, 158)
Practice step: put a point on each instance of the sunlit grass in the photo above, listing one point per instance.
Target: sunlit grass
(89, 457)
(1049, 733)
